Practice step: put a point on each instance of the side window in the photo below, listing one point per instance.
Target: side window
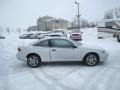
(61, 43)
(42, 43)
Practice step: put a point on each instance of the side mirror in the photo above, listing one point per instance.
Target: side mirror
(74, 46)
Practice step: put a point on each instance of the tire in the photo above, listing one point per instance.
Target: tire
(118, 38)
(91, 59)
(33, 60)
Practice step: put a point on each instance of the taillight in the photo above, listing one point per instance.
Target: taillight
(19, 49)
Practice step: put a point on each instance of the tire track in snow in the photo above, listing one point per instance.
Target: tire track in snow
(113, 76)
(100, 82)
(88, 82)
(4, 80)
(49, 80)
(41, 80)
(57, 81)
(105, 75)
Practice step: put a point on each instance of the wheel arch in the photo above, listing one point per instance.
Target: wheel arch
(91, 53)
(33, 54)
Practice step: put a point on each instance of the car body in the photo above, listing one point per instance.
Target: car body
(25, 36)
(46, 35)
(52, 35)
(75, 31)
(33, 36)
(76, 36)
(61, 31)
(56, 35)
(40, 36)
(2, 37)
(60, 49)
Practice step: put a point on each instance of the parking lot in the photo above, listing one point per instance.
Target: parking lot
(16, 75)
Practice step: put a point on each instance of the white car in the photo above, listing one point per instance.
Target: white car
(60, 49)
(56, 35)
(40, 36)
(62, 32)
(52, 35)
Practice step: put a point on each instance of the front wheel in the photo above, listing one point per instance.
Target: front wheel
(91, 59)
(33, 61)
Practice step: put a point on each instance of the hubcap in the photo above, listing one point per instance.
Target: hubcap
(91, 60)
(33, 61)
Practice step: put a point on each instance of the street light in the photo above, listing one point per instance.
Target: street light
(78, 15)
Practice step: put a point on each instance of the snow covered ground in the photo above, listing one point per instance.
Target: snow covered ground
(16, 75)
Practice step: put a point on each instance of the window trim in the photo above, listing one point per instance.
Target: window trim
(72, 44)
(41, 42)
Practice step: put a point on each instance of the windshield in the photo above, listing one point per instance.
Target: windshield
(77, 43)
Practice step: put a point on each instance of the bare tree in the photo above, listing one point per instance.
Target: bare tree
(108, 14)
(112, 13)
(83, 23)
(8, 30)
(117, 12)
(18, 30)
(0, 29)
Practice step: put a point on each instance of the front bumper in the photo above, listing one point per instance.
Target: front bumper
(76, 38)
(104, 57)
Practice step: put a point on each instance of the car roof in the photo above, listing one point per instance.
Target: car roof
(75, 33)
(46, 38)
(53, 38)
(56, 34)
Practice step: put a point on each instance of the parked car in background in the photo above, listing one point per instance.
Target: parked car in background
(25, 36)
(60, 49)
(56, 35)
(2, 37)
(52, 35)
(76, 34)
(108, 28)
(76, 31)
(40, 36)
(33, 36)
(63, 32)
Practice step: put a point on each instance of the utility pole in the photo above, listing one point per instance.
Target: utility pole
(78, 15)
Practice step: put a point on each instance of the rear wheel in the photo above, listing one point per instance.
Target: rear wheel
(91, 59)
(33, 60)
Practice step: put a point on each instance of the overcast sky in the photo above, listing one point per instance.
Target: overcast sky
(22, 13)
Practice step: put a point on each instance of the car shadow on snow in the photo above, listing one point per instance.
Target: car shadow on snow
(68, 63)
(62, 63)
(58, 63)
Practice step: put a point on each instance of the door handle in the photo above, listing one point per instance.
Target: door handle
(53, 49)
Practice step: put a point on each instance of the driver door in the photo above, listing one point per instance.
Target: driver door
(63, 50)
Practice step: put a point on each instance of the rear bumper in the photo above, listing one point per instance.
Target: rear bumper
(20, 57)
(76, 38)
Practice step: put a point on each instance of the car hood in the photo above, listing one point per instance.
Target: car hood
(88, 46)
